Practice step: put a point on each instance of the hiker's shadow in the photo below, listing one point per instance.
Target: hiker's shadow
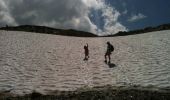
(111, 65)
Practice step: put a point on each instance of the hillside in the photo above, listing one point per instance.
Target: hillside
(48, 30)
(71, 32)
(141, 31)
(46, 63)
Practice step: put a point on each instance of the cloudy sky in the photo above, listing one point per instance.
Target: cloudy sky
(97, 16)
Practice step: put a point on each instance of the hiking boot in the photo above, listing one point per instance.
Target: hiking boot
(109, 62)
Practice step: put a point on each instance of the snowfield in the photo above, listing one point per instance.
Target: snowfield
(45, 63)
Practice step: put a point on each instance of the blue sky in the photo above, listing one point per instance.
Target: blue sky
(101, 17)
(156, 11)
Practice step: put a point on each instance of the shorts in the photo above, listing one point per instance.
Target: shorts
(108, 53)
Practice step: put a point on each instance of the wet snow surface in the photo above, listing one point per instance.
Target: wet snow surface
(42, 62)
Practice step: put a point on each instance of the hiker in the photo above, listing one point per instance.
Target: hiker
(86, 52)
(110, 49)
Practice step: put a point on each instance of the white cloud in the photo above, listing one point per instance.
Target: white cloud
(5, 16)
(136, 17)
(111, 24)
(110, 15)
(65, 14)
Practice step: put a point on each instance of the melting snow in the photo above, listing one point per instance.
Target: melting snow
(43, 62)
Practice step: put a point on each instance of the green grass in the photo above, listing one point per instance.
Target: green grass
(98, 93)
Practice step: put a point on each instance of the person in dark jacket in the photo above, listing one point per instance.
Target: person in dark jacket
(86, 52)
(109, 51)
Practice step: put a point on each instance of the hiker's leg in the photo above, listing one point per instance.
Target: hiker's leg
(87, 55)
(84, 55)
(109, 58)
(105, 57)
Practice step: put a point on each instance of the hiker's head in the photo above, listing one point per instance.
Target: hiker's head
(108, 42)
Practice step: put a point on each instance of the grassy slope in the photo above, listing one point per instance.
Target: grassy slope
(104, 93)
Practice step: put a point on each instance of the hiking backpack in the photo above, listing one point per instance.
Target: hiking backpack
(111, 48)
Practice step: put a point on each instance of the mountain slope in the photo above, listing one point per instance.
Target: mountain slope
(45, 63)
(48, 30)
